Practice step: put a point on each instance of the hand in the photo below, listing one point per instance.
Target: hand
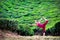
(33, 24)
(41, 19)
(44, 18)
(35, 21)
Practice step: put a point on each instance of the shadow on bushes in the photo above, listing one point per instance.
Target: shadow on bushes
(25, 30)
(8, 24)
(55, 31)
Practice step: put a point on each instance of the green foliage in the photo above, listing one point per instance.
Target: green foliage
(26, 11)
(8, 24)
(55, 31)
(25, 31)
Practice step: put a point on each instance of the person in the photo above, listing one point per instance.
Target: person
(42, 25)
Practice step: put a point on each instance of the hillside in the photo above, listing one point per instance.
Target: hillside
(26, 11)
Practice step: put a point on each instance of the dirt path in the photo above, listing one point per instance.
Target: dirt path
(7, 35)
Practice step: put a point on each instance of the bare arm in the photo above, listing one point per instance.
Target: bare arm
(35, 21)
(46, 21)
(40, 20)
(44, 18)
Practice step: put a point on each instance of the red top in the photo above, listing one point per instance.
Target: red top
(42, 25)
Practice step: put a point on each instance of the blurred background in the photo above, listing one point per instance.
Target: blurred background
(18, 15)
